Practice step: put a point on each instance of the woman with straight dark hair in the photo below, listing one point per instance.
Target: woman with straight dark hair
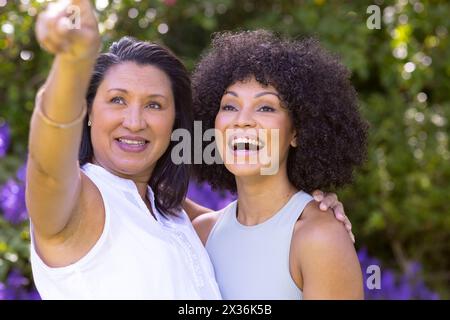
(104, 197)
(107, 221)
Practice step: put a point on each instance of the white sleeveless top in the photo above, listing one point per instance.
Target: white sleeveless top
(136, 256)
(252, 262)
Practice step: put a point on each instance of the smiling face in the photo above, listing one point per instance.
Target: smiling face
(246, 108)
(132, 118)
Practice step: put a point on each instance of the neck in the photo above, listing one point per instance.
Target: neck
(261, 197)
(142, 189)
(140, 180)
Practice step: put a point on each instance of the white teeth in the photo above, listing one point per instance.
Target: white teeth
(250, 141)
(132, 142)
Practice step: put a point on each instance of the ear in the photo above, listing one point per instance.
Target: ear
(294, 141)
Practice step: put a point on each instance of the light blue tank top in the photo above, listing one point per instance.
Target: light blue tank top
(252, 262)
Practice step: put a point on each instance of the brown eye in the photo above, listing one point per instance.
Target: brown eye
(266, 109)
(118, 100)
(228, 107)
(154, 105)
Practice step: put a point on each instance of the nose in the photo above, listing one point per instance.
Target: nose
(133, 119)
(244, 118)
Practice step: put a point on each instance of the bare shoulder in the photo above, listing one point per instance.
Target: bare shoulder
(325, 257)
(320, 227)
(204, 223)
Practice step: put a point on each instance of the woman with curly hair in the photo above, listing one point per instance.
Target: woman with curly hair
(273, 242)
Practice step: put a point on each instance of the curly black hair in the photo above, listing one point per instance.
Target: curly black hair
(313, 85)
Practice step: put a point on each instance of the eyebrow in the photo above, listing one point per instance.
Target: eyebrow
(256, 95)
(267, 92)
(149, 96)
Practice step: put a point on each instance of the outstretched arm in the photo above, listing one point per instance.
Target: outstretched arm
(53, 174)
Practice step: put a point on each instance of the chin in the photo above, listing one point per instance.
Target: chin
(245, 170)
(131, 166)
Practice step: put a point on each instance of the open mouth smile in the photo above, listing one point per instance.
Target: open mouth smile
(245, 144)
(132, 144)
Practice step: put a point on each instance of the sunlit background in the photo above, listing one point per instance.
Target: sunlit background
(399, 203)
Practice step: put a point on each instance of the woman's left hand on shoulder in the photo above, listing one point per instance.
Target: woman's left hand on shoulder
(331, 201)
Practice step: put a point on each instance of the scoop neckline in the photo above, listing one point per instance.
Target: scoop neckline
(129, 186)
(266, 222)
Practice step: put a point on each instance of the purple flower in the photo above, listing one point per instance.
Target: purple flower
(21, 173)
(394, 285)
(414, 268)
(205, 196)
(2, 291)
(4, 138)
(16, 280)
(12, 202)
(16, 287)
(32, 295)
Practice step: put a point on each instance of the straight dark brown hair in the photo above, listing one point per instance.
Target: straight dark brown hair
(169, 181)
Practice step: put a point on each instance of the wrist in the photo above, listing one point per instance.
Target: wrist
(87, 59)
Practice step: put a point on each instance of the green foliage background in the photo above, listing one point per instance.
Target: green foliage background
(399, 204)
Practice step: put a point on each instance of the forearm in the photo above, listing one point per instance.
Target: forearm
(62, 101)
(53, 174)
(66, 88)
